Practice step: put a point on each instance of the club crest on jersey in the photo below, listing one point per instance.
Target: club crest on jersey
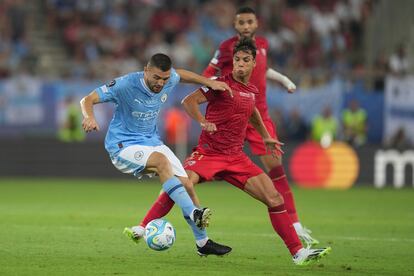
(111, 83)
(164, 98)
(191, 162)
(138, 155)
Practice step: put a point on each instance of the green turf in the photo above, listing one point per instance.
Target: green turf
(74, 227)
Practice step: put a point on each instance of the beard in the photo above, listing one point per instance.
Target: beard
(155, 88)
(249, 36)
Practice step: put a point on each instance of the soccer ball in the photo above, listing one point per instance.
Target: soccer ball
(159, 234)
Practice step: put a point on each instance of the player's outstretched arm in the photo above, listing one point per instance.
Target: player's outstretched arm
(191, 105)
(257, 122)
(89, 123)
(282, 79)
(190, 77)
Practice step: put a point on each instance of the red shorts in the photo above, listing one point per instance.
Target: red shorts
(235, 169)
(254, 139)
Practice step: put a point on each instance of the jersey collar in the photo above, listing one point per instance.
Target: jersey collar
(244, 84)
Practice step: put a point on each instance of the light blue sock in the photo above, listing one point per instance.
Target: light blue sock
(177, 192)
(198, 233)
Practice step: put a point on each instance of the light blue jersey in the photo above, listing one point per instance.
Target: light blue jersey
(137, 108)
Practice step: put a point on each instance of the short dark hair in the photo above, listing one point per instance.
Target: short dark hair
(160, 61)
(245, 10)
(246, 45)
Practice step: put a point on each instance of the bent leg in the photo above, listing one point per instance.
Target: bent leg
(160, 208)
(279, 179)
(200, 235)
(171, 184)
(261, 188)
(276, 172)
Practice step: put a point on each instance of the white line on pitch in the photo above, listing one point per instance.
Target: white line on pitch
(349, 238)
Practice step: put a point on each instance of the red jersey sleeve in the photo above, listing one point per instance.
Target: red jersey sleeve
(210, 71)
(208, 93)
(222, 58)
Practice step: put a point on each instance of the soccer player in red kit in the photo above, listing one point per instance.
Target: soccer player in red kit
(222, 64)
(219, 153)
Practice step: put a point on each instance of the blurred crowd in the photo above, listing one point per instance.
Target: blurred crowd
(15, 49)
(310, 40)
(315, 39)
(324, 128)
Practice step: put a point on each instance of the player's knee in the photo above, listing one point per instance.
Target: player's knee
(187, 183)
(274, 199)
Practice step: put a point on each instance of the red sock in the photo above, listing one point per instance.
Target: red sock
(159, 209)
(284, 228)
(281, 184)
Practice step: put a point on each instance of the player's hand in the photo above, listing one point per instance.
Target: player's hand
(221, 86)
(289, 85)
(274, 146)
(89, 124)
(209, 127)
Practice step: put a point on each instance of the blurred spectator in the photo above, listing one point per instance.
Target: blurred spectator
(380, 71)
(177, 128)
(70, 130)
(158, 45)
(324, 128)
(3, 104)
(399, 140)
(309, 40)
(181, 52)
(296, 128)
(399, 62)
(280, 123)
(15, 50)
(354, 120)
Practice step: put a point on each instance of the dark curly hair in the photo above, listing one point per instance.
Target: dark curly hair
(246, 45)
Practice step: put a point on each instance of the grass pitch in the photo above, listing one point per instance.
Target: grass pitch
(74, 227)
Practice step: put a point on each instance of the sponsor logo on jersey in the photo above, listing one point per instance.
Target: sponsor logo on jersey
(263, 51)
(164, 98)
(145, 116)
(246, 95)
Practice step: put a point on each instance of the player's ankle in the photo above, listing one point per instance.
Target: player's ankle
(139, 230)
(298, 226)
(202, 242)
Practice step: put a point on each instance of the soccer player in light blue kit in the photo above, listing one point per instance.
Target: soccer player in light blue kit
(132, 140)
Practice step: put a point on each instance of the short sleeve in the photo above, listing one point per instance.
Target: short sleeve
(208, 93)
(109, 92)
(221, 56)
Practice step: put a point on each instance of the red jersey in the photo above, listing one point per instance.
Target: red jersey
(231, 116)
(223, 60)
